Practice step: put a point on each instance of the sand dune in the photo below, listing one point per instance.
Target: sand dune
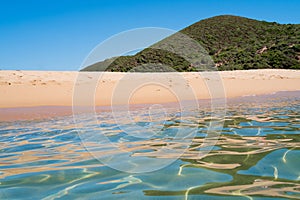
(51, 88)
(32, 94)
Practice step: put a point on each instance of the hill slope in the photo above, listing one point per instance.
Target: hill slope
(233, 43)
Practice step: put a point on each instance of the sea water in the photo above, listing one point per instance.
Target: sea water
(256, 154)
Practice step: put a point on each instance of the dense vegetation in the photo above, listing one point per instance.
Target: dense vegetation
(232, 42)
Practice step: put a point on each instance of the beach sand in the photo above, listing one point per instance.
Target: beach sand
(52, 88)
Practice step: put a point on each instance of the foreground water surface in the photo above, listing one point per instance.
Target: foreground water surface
(256, 156)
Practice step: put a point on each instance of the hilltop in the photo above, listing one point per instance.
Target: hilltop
(232, 42)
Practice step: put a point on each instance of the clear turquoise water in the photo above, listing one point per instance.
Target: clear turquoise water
(257, 156)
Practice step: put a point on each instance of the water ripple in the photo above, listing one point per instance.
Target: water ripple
(256, 157)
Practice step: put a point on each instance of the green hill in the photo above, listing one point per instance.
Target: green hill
(232, 42)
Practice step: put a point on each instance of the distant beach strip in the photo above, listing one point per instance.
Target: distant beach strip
(21, 89)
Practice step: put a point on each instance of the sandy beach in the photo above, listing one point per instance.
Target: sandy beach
(52, 88)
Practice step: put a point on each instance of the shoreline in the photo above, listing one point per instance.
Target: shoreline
(52, 112)
(29, 89)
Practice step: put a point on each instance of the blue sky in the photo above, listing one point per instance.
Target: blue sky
(59, 34)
